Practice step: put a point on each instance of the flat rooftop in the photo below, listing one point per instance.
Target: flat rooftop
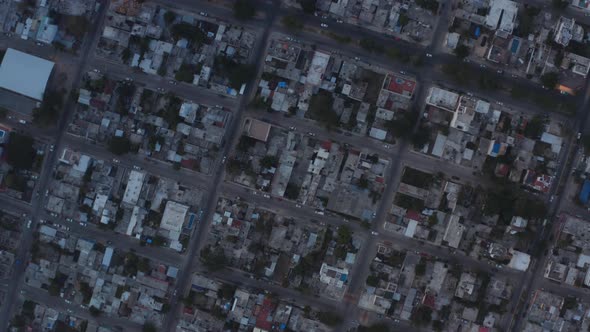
(25, 74)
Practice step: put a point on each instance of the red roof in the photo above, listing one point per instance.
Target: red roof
(262, 320)
(327, 145)
(411, 214)
(429, 300)
(380, 179)
(400, 85)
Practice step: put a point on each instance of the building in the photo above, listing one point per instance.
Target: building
(502, 17)
(399, 85)
(174, 215)
(453, 232)
(25, 74)
(257, 129)
(318, 66)
(567, 30)
(133, 189)
(443, 99)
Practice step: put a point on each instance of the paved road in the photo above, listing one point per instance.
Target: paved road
(51, 159)
(184, 279)
(57, 303)
(186, 91)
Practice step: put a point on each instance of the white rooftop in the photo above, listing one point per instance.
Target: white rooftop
(25, 74)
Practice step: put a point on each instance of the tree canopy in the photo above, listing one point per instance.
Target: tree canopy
(244, 9)
(20, 153)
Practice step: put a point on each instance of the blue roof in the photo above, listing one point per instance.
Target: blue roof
(496, 148)
(343, 277)
(585, 192)
(477, 31)
(514, 47)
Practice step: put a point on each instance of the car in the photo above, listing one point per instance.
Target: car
(96, 71)
(137, 168)
(579, 135)
(128, 79)
(339, 21)
(500, 71)
(297, 205)
(374, 233)
(116, 161)
(320, 212)
(224, 159)
(266, 196)
(292, 128)
(53, 214)
(311, 134)
(482, 65)
(46, 192)
(500, 103)
(39, 44)
(356, 58)
(69, 220)
(324, 17)
(203, 14)
(51, 148)
(83, 224)
(22, 121)
(386, 146)
(428, 55)
(289, 39)
(29, 222)
(324, 25)
(173, 82)
(42, 221)
(402, 72)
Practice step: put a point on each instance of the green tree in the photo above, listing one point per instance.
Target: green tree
(422, 315)
(213, 258)
(94, 311)
(269, 161)
(119, 145)
(20, 153)
(371, 45)
(244, 9)
(329, 318)
(48, 113)
(188, 32)
(461, 51)
(379, 327)
(559, 4)
(292, 22)
(420, 269)
(320, 108)
(169, 17)
(149, 327)
(403, 123)
(403, 19)
(308, 6)
(421, 137)
(549, 80)
(344, 235)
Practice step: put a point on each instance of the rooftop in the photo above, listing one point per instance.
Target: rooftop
(25, 74)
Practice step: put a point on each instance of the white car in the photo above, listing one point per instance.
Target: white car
(83, 224)
(203, 14)
(266, 196)
(356, 58)
(224, 159)
(137, 168)
(428, 55)
(374, 233)
(324, 25)
(292, 128)
(29, 223)
(297, 205)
